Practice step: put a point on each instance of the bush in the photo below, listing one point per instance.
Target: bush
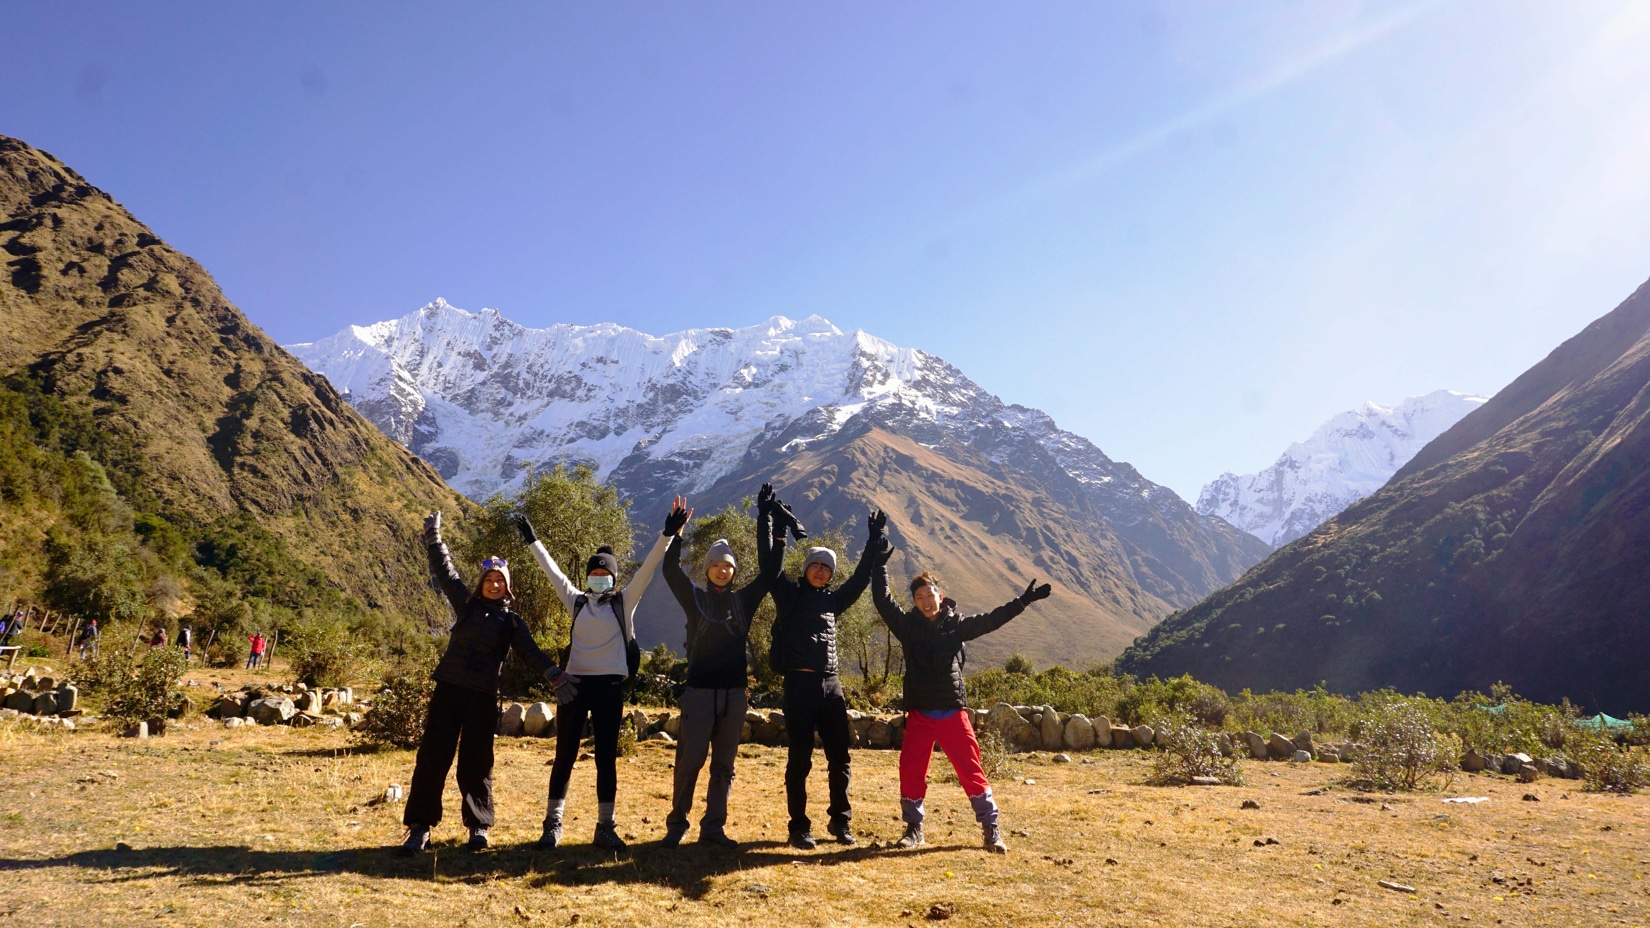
(1401, 748)
(398, 710)
(324, 653)
(227, 652)
(1018, 663)
(1191, 750)
(996, 758)
(137, 683)
(1607, 767)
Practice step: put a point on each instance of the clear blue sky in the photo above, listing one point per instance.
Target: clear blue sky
(1189, 232)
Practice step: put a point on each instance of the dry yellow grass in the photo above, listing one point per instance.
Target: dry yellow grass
(275, 827)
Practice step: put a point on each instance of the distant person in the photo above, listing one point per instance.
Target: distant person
(804, 650)
(159, 641)
(718, 636)
(601, 655)
(186, 640)
(13, 627)
(463, 712)
(932, 635)
(88, 639)
(255, 654)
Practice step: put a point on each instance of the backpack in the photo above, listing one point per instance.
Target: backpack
(632, 650)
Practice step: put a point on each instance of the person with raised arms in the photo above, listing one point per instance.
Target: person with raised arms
(932, 636)
(463, 712)
(804, 651)
(602, 655)
(718, 636)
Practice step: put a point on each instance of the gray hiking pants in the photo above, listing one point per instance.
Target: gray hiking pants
(711, 723)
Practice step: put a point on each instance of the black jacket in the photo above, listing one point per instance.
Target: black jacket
(804, 630)
(485, 632)
(934, 652)
(719, 621)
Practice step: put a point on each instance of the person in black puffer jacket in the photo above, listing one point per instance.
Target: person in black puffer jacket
(932, 636)
(463, 713)
(804, 650)
(713, 704)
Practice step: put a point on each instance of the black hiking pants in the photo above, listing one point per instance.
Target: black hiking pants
(460, 719)
(814, 701)
(601, 701)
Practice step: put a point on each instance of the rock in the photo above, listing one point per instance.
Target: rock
(330, 721)
(1052, 731)
(1223, 741)
(745, 729)
(1529, 774)
(1205, 781)
(766, 733)
(512, 722)
(140, 730)
(1329, 756)
(536, 722)
(661, 736)
(1303, 742)
(21, 700)
(1472, 762)
(644, 725)
(1531, 797)
(271, 710)
(1350, 751)
(1250, 804)
(234, 721)
(1020, 734)
(1102, 731)
(1256, 745)
(1515, 763)
(1078, 734)
(303, 720)
(1493, 762)
(306, 701)
(1144, 736)
(1302, 757)
(673, 726)
(880, 735)
(1060, 759)
(45, 704)
(353, 719)
(1162, 738)
(1122, 736)
(1280, 748)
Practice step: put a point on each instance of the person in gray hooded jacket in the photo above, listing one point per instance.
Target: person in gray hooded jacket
(718, 635)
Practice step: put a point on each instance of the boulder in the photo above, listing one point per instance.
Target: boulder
(45, 704)
(1279, 747)
(1020, 734)
(644, 725)
(1349, 751)
(1472, 762)
(673, 726)
(330, 721)
(271, 710)
(1529, 773)
(881, 735)
(1256, 745)
(1223, 742)
(1144, 736)
(535, 723)
(353, 719)
(1515, 763)
(1303, 742)
(303, 720)
(1053, 732)
(1162, 738)
(21, 700)
(754, 717)
(512, 722)
(307, 701)
(663, 737)
(766, 733)
(745, 729)
(229, 706)
(1302, 757)
(1102, 731)
(1078, 734)
(1060, 759)
(140, 730)
(1329, 755)
(1122, 736)
(68, 698)
(234, 721)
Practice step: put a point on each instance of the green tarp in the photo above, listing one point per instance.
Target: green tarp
(1605, 722)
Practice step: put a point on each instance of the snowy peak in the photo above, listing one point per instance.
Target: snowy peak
(1345, 459)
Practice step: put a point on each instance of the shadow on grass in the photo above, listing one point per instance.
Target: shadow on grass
(689, 869)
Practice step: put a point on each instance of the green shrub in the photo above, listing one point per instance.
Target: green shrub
(1608, 767)
(1018, 663)
(325, 653)
(227, 652)
(1402, 750)
(136, 683)
(1190, 750)
(398, 710)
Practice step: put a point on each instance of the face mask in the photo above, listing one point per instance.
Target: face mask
(600, 583)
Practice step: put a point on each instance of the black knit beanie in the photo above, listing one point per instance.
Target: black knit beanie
(603, 558)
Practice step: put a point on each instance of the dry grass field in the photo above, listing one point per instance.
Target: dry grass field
(280, 827)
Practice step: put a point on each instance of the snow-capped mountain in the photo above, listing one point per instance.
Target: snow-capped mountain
(1346, 459)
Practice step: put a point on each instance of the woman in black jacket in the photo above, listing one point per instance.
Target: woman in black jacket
(463, 710)
(932, 635)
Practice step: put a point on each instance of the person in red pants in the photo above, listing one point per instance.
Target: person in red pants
(932, 635)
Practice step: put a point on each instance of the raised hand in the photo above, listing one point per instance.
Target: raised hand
(790, 520)
(764, 500)
(524, 528)
(882, 553)
(432, 528)
(1034, 592)
(679, 516)
(878, 522)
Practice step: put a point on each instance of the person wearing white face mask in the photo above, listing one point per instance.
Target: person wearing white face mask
(602, 654)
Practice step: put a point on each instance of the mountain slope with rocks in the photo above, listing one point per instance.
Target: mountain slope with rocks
(223, 426)
(711, 413)
(1514, 547)
(1344, 460)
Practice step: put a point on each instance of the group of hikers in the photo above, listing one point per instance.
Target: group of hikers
(603, 654)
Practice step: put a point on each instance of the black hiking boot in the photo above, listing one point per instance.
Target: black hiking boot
(803, 840)
(843, 834)
(717, 838)
(607, 837)
(418, 840)
(478, 839)
(673, 835)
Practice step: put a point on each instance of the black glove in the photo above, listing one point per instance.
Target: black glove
(524, 528)
(784, 516)
(764, 500)
(882, 552)
(432, 529)
(677, 519)
(878, 521)
(1034, 592)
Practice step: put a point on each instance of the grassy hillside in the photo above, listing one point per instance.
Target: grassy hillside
(193, 457)
(1514, 547)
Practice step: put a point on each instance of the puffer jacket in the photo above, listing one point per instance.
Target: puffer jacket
(934, 650)
(485, 632)
(804, 629)
(719, 621)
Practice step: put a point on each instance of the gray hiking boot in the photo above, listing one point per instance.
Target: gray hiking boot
(607, 837)
(912, 836)
(551, 836)
(673, 835)
(418, 840)
(478, 839)
(994, 839)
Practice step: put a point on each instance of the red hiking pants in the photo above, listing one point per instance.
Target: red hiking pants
(956, 738)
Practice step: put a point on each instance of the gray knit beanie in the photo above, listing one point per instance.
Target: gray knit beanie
(820, 556)
(720, 553)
